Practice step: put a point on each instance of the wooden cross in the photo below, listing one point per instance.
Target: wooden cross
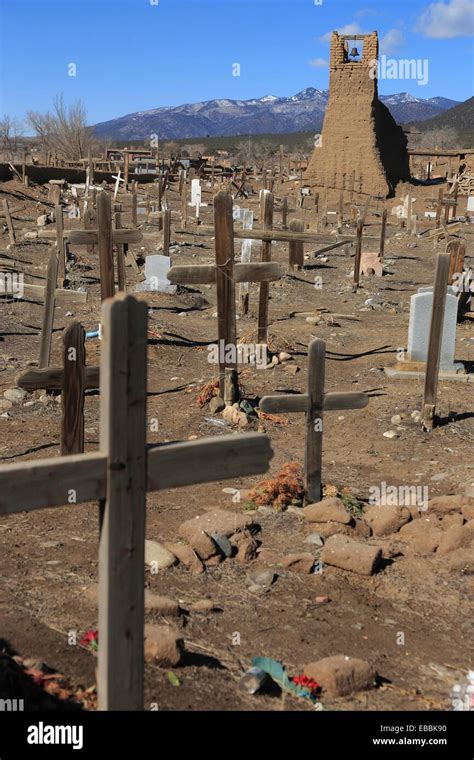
(225, 274)
(72, 379)
(104, 237)
(434, 341)
(118, 476)
(314, 403)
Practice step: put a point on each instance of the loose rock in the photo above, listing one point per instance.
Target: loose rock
(163, 645)
(385, 519)
(203, 605)
(216, 405)
(454, 538)
(158, 556)
(187, 556)
(299, 563)
(220, 521)
(247, 551)
(327, 510)
(202, 544)
(262, 578)
(161, 605)
(340, 676)
(15, 395)
(348, 554)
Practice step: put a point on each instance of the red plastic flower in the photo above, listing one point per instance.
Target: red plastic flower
(91, 639)
(307, 683)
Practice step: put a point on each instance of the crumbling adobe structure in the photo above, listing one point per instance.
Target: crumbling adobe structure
(361, 148)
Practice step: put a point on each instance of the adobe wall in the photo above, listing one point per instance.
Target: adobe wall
(362, 146)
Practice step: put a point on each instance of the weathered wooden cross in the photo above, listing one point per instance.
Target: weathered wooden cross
(104, 237)
(314, 403)
(72, 379)
(119, 475)
(430, 390)
(225, 274)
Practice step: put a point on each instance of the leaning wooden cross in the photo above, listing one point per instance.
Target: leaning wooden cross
(225, 274)
(104, 237)
(72, 379)
(119, 475)
(314, 403)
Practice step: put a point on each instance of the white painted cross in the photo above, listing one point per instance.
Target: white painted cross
(118, 180)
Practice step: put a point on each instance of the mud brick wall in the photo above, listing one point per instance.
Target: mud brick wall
(362, 146)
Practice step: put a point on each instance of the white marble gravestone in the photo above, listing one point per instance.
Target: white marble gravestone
(196, 192)
(419, 328)
(156, 269)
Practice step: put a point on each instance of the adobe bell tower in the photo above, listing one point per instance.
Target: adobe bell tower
(361, 146)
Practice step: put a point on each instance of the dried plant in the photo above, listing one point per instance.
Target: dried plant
(284, 489)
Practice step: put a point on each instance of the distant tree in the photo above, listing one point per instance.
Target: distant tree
(10, 132)
(64, 130)
(441, 138)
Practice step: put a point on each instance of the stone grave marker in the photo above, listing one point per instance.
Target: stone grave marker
(156, 269)
(421, 304)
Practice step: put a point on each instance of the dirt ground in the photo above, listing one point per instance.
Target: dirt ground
(48, 559)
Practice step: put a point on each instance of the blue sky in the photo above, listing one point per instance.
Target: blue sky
(133, 55)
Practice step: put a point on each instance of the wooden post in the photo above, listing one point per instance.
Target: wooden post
(324, 210)
(382, 234)
(435, 340)
(160, 191)
(184, 207)
(90, 162)
(166, 231)
(123, 427)
(23, 168)
(439, 209)
(11, 229)
(61, 246)
(314, 420)
(455, 198)
(120, 249)
(358, 254)
(457, 252)
(134, 204)
(126, 159)
(266, 215)
(106, 255)
(284, 212)
(227, 330)
(73, 386)
(89, 224)
(48, 311)
(296, 248)
(340, 216)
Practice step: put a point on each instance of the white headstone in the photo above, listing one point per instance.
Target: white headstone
(470, 203)
(419, 328)
(246, 251)
(156, 269)
(195, 192)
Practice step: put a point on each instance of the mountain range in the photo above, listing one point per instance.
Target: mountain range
(460, 118)
(269, 114)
